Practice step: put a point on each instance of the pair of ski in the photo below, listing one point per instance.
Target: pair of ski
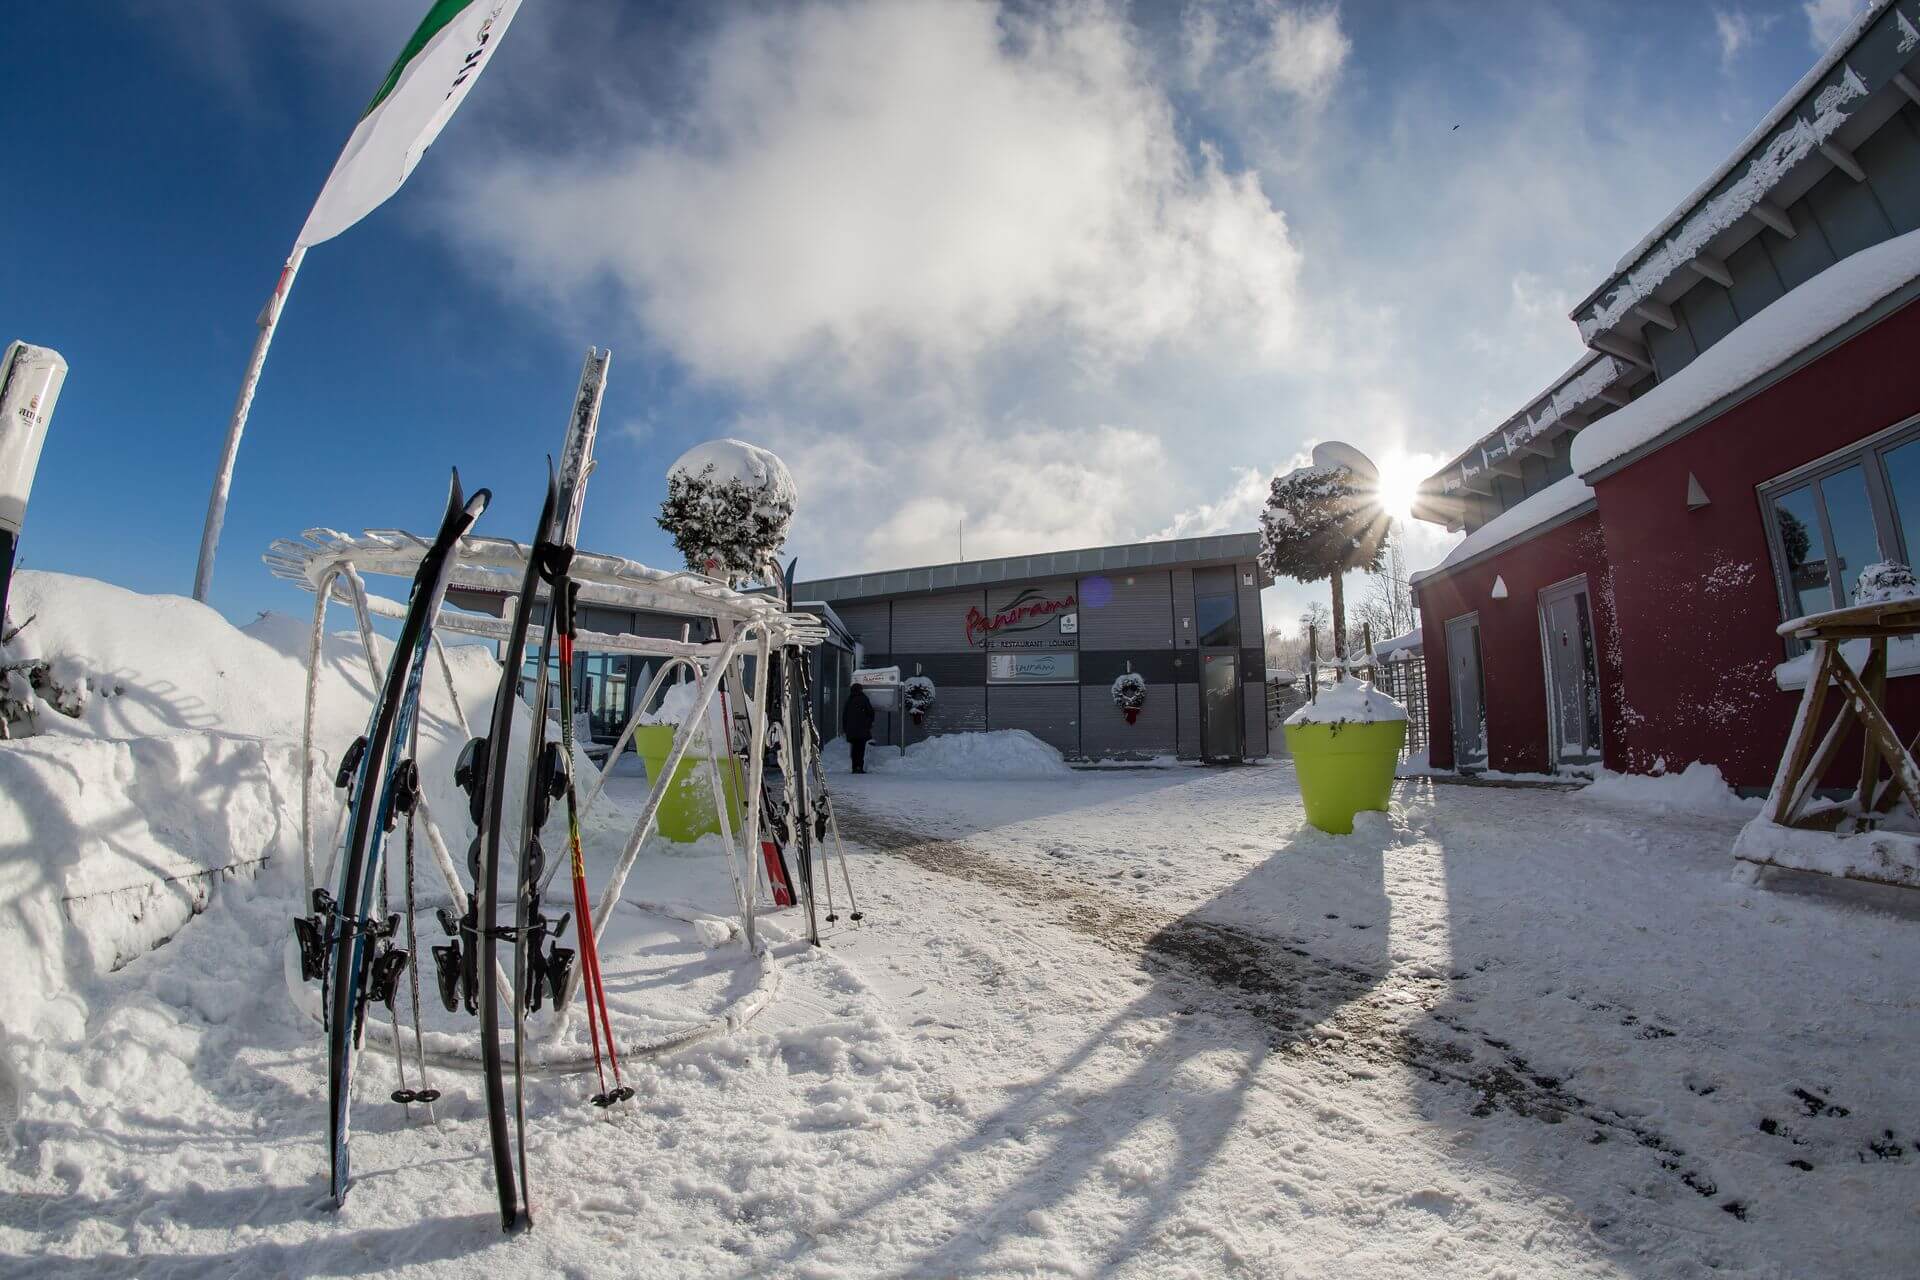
(551, 766)
(353, 953)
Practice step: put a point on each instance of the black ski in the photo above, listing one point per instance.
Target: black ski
(341, 943)
(488, 771)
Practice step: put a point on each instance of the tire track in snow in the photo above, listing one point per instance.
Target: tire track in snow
(1312, 1008)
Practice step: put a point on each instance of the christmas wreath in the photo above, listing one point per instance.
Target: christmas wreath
(1130, 694)
(918, 693)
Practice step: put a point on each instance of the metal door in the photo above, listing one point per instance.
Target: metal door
(1573, 678)
(1466, 681)
(1220, 706)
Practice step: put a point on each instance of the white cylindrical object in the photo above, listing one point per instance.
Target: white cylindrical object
(30, 381)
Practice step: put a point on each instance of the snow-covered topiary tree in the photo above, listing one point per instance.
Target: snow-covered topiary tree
(1321, 522)
(729, 505)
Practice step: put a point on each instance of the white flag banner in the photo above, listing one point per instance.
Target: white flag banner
(429, 80)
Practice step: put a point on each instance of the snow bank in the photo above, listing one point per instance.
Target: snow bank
(180, 774)
(1557, 499)
(1785, 327)
(1350, 701)
(1699, 788)
(1000, 753)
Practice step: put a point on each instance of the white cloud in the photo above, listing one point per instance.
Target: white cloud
(1021, 487)
(1826, 19)
(1736, 32)
(1306, 51)
(1235, 511)
(873, 186)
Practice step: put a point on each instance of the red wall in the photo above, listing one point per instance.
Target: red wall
(1694, 590)
(1516, 680)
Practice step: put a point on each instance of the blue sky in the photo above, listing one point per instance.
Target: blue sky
(1073, 274)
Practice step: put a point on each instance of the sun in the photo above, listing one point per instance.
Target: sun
(1400, 478)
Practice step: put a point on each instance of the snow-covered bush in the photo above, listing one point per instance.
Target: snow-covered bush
(729, 505)
(1886, 582)
(918, 693)
(1130, 694)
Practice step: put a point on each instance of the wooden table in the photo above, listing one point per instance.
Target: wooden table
(1887, 774)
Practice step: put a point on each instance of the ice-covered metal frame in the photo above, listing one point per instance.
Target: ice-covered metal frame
(331, 564)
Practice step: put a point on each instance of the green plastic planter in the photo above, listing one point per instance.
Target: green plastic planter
(687, 811)
(1345, 768)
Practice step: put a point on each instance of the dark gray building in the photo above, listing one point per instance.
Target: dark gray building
(1036, 642)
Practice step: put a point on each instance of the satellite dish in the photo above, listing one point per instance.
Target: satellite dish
(1337, 453)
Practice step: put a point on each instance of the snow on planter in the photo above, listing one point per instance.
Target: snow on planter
(1349, 702)
(729, 505)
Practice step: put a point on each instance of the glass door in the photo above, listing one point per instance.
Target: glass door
(1466, 683)
(1220, 706)
(1573, 680)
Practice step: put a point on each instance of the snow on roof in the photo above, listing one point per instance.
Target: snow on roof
(1585, 379)
(1787, 326)
(1835, 51)
(1727, 208)
(1555, 500)
(1399, 644)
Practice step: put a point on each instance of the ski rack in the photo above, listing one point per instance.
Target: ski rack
(331, 565)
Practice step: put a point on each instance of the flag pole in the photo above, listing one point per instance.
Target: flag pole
(223, 478)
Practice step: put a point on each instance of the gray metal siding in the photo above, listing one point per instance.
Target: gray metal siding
(934, 624)
(1709, 314)
(1848, 213)
(943, 668)
(1755, 282)
(1188, 712)
(1139, 614)
(999, 598)
(868, 623)
(960, 709)
(1105, 733)
(1050, 712)
(1254, 717)
(1805, 256)
(1184, 636)
(1672, 349)
(1891, 158)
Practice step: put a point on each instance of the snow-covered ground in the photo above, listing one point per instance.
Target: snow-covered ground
(1131, 1023)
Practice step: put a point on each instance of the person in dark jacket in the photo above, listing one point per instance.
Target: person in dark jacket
(857, 718)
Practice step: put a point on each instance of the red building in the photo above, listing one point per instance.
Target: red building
(1740, 441)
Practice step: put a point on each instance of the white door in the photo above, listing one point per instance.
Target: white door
(1573, 678)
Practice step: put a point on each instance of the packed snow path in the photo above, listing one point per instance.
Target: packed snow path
(1128, 1023)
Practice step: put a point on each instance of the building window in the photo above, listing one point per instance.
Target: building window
(1827, 522)
(1219, 620)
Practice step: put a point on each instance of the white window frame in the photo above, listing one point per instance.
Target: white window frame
(1868, 453)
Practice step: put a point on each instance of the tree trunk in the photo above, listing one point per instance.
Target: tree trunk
(1339, 625)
